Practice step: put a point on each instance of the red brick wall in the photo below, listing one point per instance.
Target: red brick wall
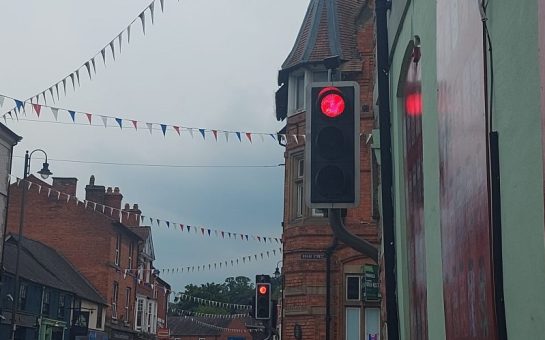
(305, 280)
(85, 237)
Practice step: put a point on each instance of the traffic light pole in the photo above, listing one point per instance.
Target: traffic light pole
(351, 240)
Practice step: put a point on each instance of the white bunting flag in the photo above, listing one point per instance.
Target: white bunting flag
(143, 20)
(64, 85)
(226, 136)
(152, 10)
(128, 34)
(55, 112)
(67, 198)
(295, 139)
(104, 120)
(190, 131)
(29, 185)
(150, 126)
(39, 189)
(58, 195)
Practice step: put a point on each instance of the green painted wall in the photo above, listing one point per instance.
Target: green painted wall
(419, 20)
(513, 27)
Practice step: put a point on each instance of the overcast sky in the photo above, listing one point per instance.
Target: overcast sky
(204, 63)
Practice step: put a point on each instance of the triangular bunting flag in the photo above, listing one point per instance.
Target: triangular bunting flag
(112, 48)
(104, 120)
(88, 67)
(162, 2)
(215, 132)
(73, 115)
(164, 129)
(152, 10)
(64, 85)
(73, 81)
(202, 133)
(89, 117)
(119, 122)
(103, 52)
(135, 124)
(94, 65)
(37, 109)
(238, 136)
(143, 20)
(150, 126)
(19, 105)
(226, 136)
(1, 100)
(249, 136)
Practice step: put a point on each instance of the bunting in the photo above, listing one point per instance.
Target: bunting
(121, 215)
(41, 97)
(78, 116)
(211, 303)
(212, 316)
(216, 265)
(231, 330)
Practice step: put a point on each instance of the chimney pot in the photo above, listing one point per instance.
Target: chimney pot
(116, 190)
(109, 190)
(92, 180)
(127, 206)
(135, 206)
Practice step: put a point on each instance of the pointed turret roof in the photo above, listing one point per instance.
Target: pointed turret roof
(328, 29)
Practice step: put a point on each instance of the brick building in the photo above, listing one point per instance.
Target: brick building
(90, 235)
(344, 28)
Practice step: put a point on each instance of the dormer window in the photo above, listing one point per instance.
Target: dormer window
(300, 92)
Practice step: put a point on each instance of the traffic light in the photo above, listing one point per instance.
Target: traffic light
(263, 297)
(332, 152)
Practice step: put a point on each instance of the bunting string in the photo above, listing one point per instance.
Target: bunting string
(211, 266)
(213, 316)
(210, 303)
(89, 66)
(124, 216)
(121, 123)
(232, 330)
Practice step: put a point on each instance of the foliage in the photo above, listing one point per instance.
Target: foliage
(235, 290)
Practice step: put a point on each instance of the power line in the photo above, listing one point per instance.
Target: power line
(163, 165)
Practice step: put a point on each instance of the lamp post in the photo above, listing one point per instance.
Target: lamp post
(278, 275)
(44, 173)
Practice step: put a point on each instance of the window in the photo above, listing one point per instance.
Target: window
(352, 323)
(60, 309)
(319, 76)
(127, 303)
(45, 305)
(114, 300)
(22, 295)
(372, 323)
(300, 209)
(117, 249)
(129, 266)
(139, 313)
(353, 287)
(150, 316)
(147, 271)
(299, 93)
(99, 317)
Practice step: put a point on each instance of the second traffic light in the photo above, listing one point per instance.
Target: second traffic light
(263, 297)
(332, 158)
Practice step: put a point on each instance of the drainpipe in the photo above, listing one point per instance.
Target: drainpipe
(388, 231)
(328, 252)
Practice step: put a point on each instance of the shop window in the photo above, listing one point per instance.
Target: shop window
(353, 288)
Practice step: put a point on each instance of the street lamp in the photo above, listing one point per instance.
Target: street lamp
(278, 275)
(44, 173)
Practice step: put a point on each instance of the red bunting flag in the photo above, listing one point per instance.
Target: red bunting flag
(177, 128)
(135, 124)
(249, 135)
(37, 108)
(215, 132)
(89, 116)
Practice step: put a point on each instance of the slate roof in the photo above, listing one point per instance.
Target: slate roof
(44, 265)
(328, 29)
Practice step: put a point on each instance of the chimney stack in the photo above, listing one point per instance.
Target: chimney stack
(133, 219)
(94, 193)
(66, 185)
(113, 198)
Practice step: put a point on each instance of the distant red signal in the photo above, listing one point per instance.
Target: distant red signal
(263, 290)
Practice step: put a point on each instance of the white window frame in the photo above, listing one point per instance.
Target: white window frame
(130, 255)
(358, 279)
(346, 322)
(127, 303)
(368, 321)
(114, 300)
(139, 310)
(117, 249)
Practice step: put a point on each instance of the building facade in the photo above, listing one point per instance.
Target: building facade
(96, 235)
(55, 301)
(469, 212)
(8, 140)
(343, 28)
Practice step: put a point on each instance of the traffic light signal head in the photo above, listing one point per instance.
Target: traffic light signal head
(263, 297)
(332, 159)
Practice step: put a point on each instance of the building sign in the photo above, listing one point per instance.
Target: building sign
(370, 282)
(312, 256)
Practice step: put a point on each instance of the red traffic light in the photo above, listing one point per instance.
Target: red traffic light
(262, 289)
(331, 102)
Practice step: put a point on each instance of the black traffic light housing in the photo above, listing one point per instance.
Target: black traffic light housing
(332, 151)
(263, 303)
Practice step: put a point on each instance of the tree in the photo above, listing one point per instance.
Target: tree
(235, 290)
